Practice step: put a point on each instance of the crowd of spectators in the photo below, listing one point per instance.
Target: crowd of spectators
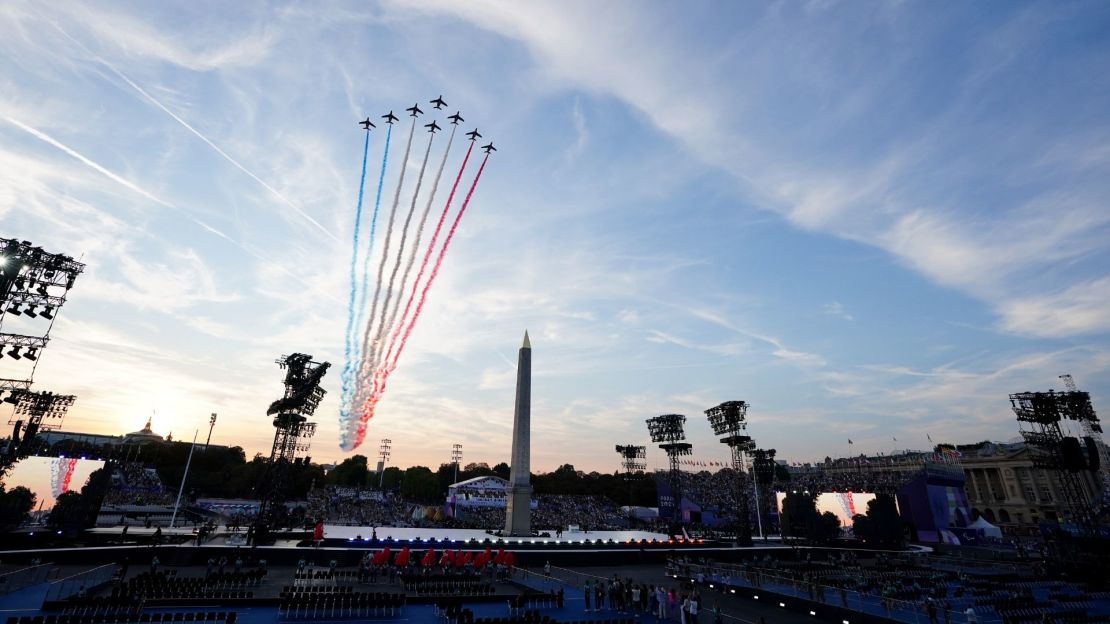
(817, 479)
(357, 507)
(914, 583)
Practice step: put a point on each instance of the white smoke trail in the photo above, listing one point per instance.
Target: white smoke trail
(416, 247)
(362, 379)
(415, 244)
(376, 352)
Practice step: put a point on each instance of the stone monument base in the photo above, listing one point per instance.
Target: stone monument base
(518, 511)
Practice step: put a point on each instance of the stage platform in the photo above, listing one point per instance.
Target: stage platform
(463, 536)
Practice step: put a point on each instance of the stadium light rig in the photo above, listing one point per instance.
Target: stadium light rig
(667, 431)
(632, 457)
(34, 284)
(729, 420)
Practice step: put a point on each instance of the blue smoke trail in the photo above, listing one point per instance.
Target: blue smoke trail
(348, 338)
(363, 375)
(355, 314)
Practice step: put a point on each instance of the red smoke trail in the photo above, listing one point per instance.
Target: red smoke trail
(427, 256)
(70, 466)
(382, 374)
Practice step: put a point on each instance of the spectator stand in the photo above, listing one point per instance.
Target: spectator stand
(901, 590)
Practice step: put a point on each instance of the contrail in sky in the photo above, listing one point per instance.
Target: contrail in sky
(46, 138)
(200, 136)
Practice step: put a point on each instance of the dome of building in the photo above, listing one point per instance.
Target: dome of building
(142, 436)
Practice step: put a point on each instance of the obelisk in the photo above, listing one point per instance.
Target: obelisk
(518, 510)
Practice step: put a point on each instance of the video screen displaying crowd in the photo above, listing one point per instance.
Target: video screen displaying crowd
(355, 507)
(134, 484)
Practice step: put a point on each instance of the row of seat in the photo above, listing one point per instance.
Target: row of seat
(101, 605)
(326, 606)
(484, 589)
(203, 594)
(535, 601)
(317, 589)
(208, 617)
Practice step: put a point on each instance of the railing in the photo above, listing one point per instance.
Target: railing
(87, 580)
(729, 578)
(538, 579)
(25, 577)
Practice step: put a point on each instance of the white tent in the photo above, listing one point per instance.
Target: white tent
(986, 529)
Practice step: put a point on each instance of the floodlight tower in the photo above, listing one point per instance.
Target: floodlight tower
(456, 457)
(1093, 429)
(667, 431)
(383, 457)
(291, 428)
(1039, 416)
(42, 410)
(33, 285)
(763, 472)
(729, 419)
(632, 459)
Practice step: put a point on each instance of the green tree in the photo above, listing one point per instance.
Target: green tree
(421, 484)
(502, 470)
(78, 510)
(15, 505)
(353, 471)
(799, 512)
(824, 528)
(391, 478)
(882, 525)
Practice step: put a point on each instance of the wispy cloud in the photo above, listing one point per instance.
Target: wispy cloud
(686, 205)
(835, 308)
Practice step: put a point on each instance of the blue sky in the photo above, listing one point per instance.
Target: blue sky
(869, 220)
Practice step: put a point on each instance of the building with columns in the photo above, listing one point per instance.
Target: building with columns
(1006, 488)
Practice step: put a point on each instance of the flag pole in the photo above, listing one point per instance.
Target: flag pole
(188, 462)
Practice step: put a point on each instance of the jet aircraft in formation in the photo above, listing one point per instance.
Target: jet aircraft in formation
(414, 111)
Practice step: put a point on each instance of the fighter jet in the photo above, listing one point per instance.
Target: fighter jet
(366, 125)
(414, 110)
(489, 148)
(438, 102)
(389, 117)
(474, 135)
(432, 127)
(455, 119)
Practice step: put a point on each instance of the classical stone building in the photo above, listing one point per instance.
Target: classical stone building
(1005, 488)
